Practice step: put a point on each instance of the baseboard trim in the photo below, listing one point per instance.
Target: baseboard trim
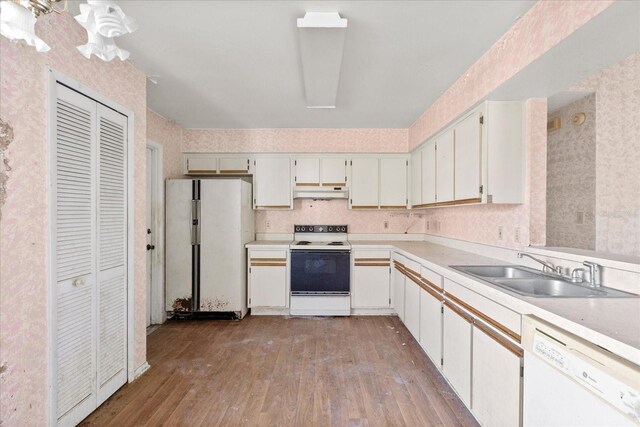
(141, 370)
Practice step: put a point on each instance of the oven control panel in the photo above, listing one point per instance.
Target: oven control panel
(320, 228)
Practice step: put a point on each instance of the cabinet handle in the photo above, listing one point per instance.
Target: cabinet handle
(371, 259)
(371, 264)
(79, 281)
(268, 264)
(459, 312)
(498, 338)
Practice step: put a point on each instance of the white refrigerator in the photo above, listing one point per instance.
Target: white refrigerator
(208, 222)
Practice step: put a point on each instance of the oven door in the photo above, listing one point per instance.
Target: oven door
(320, 272)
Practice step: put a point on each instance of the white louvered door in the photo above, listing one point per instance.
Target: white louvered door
(112, 247)
(88, 256)
(74, 235)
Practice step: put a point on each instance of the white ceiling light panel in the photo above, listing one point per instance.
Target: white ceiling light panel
(321, 36)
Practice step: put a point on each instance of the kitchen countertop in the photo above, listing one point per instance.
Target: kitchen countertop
(612, 323)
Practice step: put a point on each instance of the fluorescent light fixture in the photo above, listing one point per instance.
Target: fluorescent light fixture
(321, 36)
(18, 23)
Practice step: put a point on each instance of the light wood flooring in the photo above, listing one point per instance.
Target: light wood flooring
(281, 371)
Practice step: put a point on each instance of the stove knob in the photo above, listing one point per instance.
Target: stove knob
(297, 228)
(343, 228)
(330, 228)
(310, 229)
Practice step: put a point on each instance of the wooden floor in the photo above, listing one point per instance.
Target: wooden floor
(281, 371)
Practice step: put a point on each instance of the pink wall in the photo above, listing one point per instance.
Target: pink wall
(296, 140)
(23, 234)
(545, 25)
(169, 135)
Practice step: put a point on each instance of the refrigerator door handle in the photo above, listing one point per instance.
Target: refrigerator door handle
(195, 222)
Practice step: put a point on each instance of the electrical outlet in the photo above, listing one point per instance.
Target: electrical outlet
(500, 232)
(267, 224)
(516, 235)
(428, 222)
(386, 225)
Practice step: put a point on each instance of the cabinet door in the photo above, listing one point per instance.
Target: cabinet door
(371, 285)
(202, 165)
(456, 351)
(496, 388)
(431, 326)
(416, 178)
(429, 172)
(412, 307)
(364, 183)
(333, 172)
(444, 167)
(308, 171)
(468, 145)
(268, 285)
(233, 165)
(398, 292)
(272, 183)
(393, 183)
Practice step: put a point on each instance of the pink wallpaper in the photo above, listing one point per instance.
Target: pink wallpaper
(169, 135)
(295, 140)
(617, 155)
(542, 27)
(24, 228)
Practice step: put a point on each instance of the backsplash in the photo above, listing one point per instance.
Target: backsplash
(335, 212)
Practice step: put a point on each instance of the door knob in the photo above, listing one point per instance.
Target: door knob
(150, 247)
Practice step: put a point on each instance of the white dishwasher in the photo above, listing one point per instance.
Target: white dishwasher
(571, 382)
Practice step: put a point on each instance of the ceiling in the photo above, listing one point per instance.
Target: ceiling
(235, 64)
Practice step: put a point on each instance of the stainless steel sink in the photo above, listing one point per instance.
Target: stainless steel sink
(529, 282)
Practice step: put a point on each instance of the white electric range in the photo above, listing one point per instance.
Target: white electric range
(320, 271)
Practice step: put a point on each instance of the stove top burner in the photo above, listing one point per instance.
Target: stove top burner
(335, 244)
(304, 242)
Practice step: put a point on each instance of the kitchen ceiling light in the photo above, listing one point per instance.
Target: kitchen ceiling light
(17, 21)
(321, 36)
(103, 21)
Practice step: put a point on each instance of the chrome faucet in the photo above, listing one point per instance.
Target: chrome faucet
(595, 273)
(545, 265)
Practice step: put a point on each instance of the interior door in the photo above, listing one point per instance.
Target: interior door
(150, 201)
(112, 252)
(74, 255)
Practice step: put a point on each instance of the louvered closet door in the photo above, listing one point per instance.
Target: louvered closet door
(112, 255)
(89, 227)
(73, 257)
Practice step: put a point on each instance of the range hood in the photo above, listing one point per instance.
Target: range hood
(312, 192)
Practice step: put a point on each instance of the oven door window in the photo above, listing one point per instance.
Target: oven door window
(320, 272)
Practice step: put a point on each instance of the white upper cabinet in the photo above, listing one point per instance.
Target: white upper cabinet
(393, 183)
(307, 171)
(233, 165)
(468, 157)
(415, 194)
(333, 171)
(364, 183)
(444, 166)
(429, 173)
(202, 165)
(272, 183)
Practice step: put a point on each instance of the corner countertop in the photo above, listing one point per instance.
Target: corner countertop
(611, 323)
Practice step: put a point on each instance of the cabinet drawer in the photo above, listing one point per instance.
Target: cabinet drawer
(373, 258)
(412, 267)
(268, 257)
(492, 313)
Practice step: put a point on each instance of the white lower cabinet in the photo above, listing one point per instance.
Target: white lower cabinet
(398, 288)
(412, 307)
(371, 279)
(431, 325)
(267, 284)
(456, 350)
(497, 384)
